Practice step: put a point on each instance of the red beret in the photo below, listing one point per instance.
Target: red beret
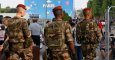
(86, 9)
(57, 8)
(22, 6)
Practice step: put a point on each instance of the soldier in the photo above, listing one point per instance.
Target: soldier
(57, 35)
(19, 36)
(88, 34)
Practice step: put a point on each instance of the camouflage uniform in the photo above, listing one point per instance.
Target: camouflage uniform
(19, 40)
(60, 53)
(88, 34)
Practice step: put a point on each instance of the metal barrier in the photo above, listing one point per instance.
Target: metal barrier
(107, 30)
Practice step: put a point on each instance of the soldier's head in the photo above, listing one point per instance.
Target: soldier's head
(5, 20)
(21, 10)
(35, 20)
(48, 22)
(87, 13)
(58, 12)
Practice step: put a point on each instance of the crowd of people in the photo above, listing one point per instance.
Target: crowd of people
(58, 40)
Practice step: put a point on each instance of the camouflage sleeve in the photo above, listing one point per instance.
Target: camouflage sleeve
(45, 30)
(26, 33)
(98, 32)
(68, 32)
(25, 28)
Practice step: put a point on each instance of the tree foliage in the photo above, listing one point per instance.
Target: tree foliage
(66, 16)
(99, 7)
(7, 10)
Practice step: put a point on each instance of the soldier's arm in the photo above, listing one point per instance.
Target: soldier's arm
(26, 32)
(45, 29)
(25, 28)
(70, 39)
(98, 32)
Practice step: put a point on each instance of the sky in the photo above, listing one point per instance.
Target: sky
(11, 3)
(34, 4)
(78, 4)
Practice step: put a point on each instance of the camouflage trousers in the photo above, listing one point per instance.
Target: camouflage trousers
(89, 51)
(60, 55)
(17, 52)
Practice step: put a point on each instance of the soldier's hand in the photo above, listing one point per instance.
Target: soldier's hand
(75, 56)
(31, 46)
(1, 47)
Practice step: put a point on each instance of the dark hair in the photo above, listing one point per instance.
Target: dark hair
(47, 22)
(57, 12)
(73, 22)
(112, 37)
(28, 22)
(35, 20)
(7, 17)
(2, 27)
(53, 19)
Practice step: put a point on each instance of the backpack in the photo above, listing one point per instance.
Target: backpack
(86, 33)
(55, 35)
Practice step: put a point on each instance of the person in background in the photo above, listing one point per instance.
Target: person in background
(112, 50)
(2, 37)
(103, 49)
(36, 31)
(100, 25)
(5, 21)
(28, 22)
(2, 34)
(47, 23)
(73, 24)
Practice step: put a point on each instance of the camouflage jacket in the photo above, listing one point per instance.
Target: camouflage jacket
(66, 31)
(18, 31)
(88, 32)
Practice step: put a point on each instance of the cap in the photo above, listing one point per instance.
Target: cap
(22, 6)
(57, 8)
(86, 9)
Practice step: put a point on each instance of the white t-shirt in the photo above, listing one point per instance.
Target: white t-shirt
(2, 34)
(74, 32)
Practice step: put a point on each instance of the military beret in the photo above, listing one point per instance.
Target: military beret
(22, 6)
(86, 9)
(57, 8)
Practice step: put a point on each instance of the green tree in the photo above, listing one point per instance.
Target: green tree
(66, 16)
(7, 10)
(89, 4)
(96, 6)
(112, 3)
(104, 7)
